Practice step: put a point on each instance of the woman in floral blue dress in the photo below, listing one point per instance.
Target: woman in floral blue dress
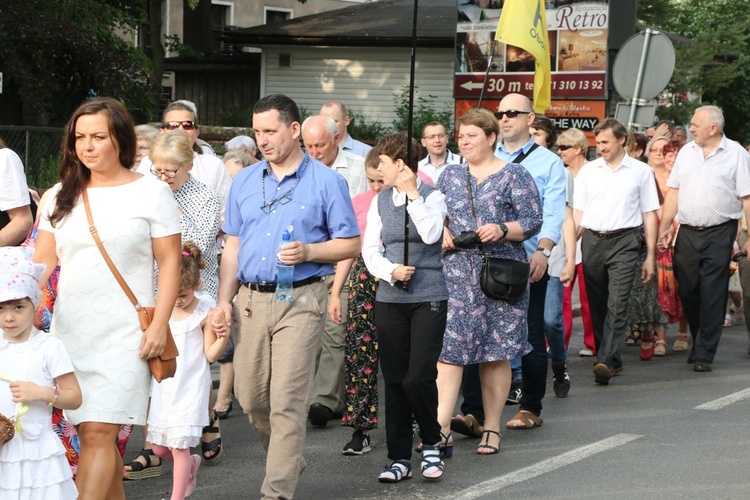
(479, 329)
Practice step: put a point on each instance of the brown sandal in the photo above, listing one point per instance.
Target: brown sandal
(530, 421)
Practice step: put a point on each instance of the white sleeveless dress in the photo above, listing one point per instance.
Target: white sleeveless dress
(179, 405)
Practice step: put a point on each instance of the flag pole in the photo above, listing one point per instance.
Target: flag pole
(404, 284)
(487, 73)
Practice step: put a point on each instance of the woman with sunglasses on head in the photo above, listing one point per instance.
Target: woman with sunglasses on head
(137, 221)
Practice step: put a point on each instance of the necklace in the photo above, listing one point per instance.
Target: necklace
(283, 199)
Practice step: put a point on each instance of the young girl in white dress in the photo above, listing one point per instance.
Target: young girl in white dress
(35, 375)
(178, 405)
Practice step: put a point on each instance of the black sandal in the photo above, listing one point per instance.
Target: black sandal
(139, 471)
(485, 445)
(633, 338)
(212, 447)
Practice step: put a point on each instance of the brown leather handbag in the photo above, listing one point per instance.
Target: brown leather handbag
(165, 365)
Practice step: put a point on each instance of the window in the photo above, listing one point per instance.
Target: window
(221, 17)
(276, 15)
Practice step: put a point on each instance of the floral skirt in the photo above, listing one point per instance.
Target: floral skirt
(669, 300)
(644, 311)
(361, 351)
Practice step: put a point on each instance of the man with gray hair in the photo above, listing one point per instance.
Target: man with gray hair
(242, 143)
(710, 190)
(321, 138)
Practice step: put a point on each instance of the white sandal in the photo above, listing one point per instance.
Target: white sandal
(399, 470)
(432, 466)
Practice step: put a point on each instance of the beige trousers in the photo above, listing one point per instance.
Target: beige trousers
(274, 363)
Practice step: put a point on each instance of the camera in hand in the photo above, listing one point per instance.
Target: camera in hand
(467, 239)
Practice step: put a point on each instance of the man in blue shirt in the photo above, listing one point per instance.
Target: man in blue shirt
(516, 115)
(277, 341)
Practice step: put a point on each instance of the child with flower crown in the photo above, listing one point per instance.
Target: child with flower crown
(35, 374)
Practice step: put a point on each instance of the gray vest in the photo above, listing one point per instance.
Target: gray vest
(428, 283)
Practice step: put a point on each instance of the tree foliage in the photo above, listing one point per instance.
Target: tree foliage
(715, 63)
(58, 53)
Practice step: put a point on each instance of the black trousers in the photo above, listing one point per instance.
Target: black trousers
(701, 266)
(410, 338)
(609, 267)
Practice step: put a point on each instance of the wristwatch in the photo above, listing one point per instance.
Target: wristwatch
(504, 229)
(546, 252)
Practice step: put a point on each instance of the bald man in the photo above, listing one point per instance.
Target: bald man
(336, 111)
(321, 137)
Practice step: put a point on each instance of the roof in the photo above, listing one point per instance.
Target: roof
(385, 23)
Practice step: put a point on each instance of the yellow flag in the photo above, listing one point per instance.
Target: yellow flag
(523, 24)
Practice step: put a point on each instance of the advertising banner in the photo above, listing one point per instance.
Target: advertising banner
(577, 37)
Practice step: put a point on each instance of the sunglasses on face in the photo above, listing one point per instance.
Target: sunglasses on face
(563, 147)
(512, 113)
(185, 124)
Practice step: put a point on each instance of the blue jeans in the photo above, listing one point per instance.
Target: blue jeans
(553, 322)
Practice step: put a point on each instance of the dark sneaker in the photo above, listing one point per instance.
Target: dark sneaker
(319, 415)
(514, 396)
(359, 444)
(561, 381)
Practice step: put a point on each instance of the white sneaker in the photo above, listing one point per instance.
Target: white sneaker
(586, 352)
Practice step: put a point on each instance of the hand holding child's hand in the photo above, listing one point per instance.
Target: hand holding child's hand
(219, 323)
(27, 392)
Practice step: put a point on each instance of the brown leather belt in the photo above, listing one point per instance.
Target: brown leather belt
(606, 235)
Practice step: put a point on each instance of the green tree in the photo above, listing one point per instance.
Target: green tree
(58, 53)
(424, 112)
(714, 63)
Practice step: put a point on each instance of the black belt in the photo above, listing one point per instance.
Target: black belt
(270, 287)
(695, 228)
(613, 234)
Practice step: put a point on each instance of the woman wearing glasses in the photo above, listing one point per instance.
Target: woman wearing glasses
(136, 218)
(171, 157)
(207, 168)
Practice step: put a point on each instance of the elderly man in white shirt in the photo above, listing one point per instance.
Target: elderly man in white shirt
(614, 196)
(321, 137)
(709, 191)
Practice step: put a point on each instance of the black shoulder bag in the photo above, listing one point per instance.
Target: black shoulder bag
(501, 279)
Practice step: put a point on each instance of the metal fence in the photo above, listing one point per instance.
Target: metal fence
(39, 149)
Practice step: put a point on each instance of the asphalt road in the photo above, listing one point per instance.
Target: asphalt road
(659, 430)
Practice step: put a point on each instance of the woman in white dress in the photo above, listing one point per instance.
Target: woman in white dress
(137, 220)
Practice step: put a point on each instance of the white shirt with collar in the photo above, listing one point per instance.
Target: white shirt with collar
(434, 171)
(710, 188)
(352, 167)
(422, 212)
(613, 199)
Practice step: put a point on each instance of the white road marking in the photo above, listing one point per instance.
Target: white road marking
(720, 403)
(549, 465)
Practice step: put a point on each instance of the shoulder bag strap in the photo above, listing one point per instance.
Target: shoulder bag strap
(471, 196)
(109, 262)
(522, 156)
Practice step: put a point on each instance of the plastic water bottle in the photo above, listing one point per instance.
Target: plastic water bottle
(284, 273)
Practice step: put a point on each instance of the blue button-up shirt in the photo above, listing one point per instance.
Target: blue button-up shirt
(549, 175)
(353, 145)
(314, 200)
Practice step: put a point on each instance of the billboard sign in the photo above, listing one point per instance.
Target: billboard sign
(577, 33)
